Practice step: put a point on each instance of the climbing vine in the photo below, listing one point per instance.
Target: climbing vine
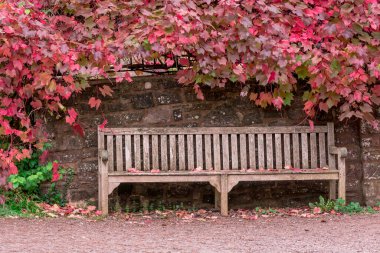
(49, 50)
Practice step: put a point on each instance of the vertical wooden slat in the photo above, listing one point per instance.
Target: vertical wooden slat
(146, 157)
(296, 150)
(225, 152)
(243, 151)
(216, 150)
(128, 152)
(304, 151)
(208, 152)
(330, 143)
(137, 151)
(313, 151)
(234, 152)
(110, 153)
(331, 161)
(172, 152)
(199, 150)
(278, 151)
(252, 151)
(322, 150)
(181, 152)
(269, 144)
(287, 157)
(190, 152)
(164, 152)
(261, 150)
(119, 153)
(155, 153)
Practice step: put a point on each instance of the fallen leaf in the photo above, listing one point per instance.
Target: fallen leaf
(197, 169)
(155, 171)
(296, 169)
(132, 170)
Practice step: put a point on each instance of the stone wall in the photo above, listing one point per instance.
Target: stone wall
(160, 101)
(370, 144)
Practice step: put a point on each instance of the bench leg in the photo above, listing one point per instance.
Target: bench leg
(342, 187)
(342, 177)
(332, 189)
(217, 199)
(224, 195)
(103, 194)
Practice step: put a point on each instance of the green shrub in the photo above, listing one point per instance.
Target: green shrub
(324, 205)
(23, 198)
(20, 204)
(340, 206)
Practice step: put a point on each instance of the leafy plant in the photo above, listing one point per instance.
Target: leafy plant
(340, 206)
(20, 204)
(324, 205)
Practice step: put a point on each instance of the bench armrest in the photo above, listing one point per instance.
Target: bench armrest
(340, 151)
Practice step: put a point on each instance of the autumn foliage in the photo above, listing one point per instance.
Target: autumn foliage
(49, 50)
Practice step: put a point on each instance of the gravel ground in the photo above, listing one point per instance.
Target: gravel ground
(357, 233)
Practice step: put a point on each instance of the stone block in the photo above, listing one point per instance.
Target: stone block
(142, 101)
(224, 115)
(371, 190)
(168, 98)
(252, 118)
(371, 170)
(70, 156)
(177, 114)
(273, 113)
(169, 83)
(158, 115)
(123, 119)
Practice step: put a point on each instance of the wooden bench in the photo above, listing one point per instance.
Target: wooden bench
(222, 156)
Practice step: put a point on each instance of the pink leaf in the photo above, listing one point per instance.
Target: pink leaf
(94, 102)
(132, 170)
(311, 124)
(317, 210)
(278, 102)
(169, 62)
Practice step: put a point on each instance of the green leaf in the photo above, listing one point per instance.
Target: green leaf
(27, 11)
(288, 98)
(335, 66)
(302, 71)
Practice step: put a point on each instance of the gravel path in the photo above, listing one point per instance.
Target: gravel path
(357, 233)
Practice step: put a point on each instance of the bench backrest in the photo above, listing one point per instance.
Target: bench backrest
(220, 148)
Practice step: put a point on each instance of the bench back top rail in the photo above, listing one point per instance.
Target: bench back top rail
(217, 148)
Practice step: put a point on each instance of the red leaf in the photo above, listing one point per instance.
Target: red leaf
(78, 129)
(43, 156)
(94, 102)
(55, 176)
(36, 104)
(106, 90)
(103, 125)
